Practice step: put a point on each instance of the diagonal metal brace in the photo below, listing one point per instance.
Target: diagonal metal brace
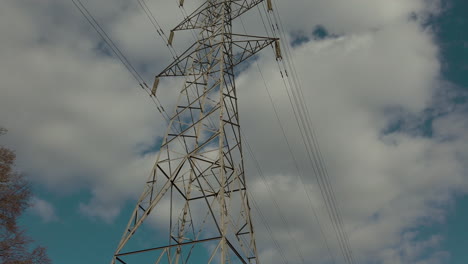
(198, 18)
(244, 47)
(248, 46)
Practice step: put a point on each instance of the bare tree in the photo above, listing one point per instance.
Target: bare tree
(14, 199)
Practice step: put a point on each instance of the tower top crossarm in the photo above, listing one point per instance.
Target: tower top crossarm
(210, 20)
(196, 20)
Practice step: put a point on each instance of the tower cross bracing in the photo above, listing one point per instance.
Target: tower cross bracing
(197, 185)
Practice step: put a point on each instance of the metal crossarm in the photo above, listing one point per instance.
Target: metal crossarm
(201, 18)
(195, 61)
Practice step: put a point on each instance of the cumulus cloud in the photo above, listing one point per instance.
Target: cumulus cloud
(43, 209)
(78, 121)
(74, 112)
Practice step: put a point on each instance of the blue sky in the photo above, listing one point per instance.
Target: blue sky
(452, 27)
(455, 53)
(86, 198)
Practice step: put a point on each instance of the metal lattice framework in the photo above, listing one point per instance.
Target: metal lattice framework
(198, 182)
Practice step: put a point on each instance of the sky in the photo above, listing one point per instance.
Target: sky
(386, 83)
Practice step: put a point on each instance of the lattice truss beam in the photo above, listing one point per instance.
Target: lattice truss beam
(197, 56)
(197, 188)
(201, 17)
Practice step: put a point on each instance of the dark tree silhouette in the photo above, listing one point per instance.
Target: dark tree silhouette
(14, 199)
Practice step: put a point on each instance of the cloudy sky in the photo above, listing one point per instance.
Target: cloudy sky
(385, 82)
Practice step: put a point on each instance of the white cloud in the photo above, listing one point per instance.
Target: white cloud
(78, 120)
(43, 209)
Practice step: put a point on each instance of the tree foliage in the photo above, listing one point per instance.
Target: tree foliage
(15, 194)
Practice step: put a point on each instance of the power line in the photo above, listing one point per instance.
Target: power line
(92, 21)
(157, 26)
(299, 172)
(118, 53)
(315, 157)
(322, 182)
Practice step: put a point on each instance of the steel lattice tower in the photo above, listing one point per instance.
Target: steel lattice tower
(198, 182)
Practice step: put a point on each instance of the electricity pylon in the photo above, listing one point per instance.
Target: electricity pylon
(197, 186)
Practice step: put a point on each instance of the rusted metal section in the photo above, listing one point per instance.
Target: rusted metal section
(279, 56)
(155, 86)
(171, 38)
(269, 5)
